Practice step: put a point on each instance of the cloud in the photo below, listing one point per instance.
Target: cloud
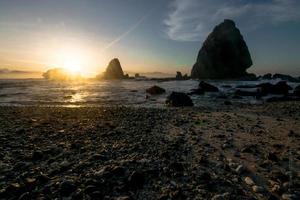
(192, 20)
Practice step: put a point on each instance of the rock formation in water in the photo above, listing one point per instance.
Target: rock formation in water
(155, 90)
(114, 70)
(224, 54)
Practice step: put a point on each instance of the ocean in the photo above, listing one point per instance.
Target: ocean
(28, 92)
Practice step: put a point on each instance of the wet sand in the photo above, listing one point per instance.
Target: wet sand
(248, 152)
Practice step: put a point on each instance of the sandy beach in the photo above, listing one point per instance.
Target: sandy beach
(246, 152)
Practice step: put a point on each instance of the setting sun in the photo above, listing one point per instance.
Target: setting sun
(72, 61)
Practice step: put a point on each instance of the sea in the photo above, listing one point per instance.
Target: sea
(41, 92)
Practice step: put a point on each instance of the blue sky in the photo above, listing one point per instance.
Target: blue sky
(147, 36)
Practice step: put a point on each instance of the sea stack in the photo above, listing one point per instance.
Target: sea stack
(114, 70)
(224, 54)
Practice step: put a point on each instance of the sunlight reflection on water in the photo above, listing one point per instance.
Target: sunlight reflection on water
(103, 93)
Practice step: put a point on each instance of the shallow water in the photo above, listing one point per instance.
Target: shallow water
(22, 92)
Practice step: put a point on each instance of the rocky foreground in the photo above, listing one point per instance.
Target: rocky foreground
(139, 153)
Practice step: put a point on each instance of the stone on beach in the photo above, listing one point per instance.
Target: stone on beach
(208, 87)
(155, 90)
(179, 99)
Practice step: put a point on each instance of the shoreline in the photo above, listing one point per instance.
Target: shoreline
(150, 153)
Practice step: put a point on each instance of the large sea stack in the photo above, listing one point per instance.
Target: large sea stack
(114, 70)
(224, 54)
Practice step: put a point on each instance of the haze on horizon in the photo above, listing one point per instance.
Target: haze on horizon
(147, 36)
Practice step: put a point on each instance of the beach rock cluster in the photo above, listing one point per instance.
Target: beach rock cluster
(282, 77)
(224, 54)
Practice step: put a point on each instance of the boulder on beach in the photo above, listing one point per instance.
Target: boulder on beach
(279, 88)
(208, 87)
(114, 70)
(179, 99)
(263, 89)
(224, 54)
(155, 90)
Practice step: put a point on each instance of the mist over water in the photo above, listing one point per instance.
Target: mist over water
(41, 92)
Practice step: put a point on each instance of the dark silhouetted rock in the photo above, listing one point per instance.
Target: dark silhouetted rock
(297, 91)
(285, 77)
(223, 55)
(208, 87)
(279, 88)
(283, 99)
(197, 91)
(154, 90)
(179, 76)
(178, 99)
(267, 76)
(114, 70)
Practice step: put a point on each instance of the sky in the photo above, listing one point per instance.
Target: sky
(146, 36)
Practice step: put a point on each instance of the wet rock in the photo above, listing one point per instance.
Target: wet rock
(224, 54)
(178, 99)
(279, 88)
(208, 87)
(155, 90)
(67, 187)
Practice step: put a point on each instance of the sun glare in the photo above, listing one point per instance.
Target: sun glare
(72, 62)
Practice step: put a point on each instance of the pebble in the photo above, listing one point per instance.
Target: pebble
(240, 169)
(249, 181)
(223, 196)
(257, 189)
(287, 197)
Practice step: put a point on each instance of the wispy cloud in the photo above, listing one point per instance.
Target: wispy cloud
(192, 20)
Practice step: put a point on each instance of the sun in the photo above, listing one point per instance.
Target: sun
(73, 65)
